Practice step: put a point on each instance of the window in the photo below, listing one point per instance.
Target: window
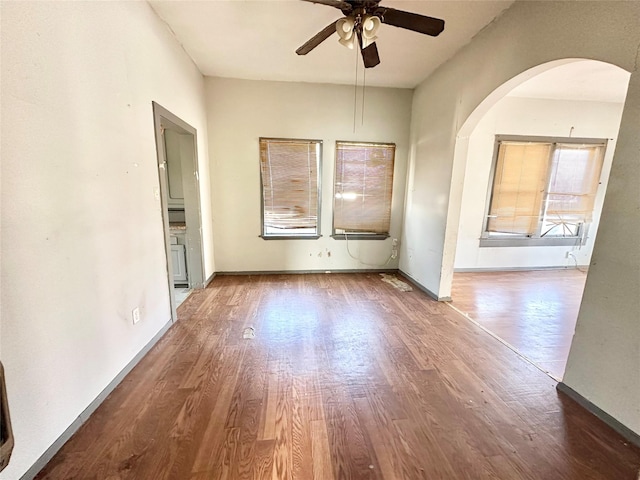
(543, 191)
(362, 189)
(290, 173)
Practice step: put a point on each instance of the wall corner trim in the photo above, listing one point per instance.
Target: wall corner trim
(86, 413)
(209, 280)
(626, 432)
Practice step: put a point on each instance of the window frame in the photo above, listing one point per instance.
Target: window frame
(292, 236)
(514, 240)
(361, 235)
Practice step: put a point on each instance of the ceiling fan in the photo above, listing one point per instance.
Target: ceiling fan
(360, 23)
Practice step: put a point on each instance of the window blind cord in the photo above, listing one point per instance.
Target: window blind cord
(578, 244)
(575, 261)
(346, 237)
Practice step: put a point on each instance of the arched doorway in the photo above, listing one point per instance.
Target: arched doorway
(567, 107)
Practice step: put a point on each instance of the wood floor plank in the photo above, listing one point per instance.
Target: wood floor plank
(300, 431)
(213, 438)
(346, 378)
(271, 400)
(320, 455)
(385, 458)
(282, 461)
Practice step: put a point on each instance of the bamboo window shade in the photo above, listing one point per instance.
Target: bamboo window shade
(289, 173)
(573, 183)
(518, 187)
(363, 187)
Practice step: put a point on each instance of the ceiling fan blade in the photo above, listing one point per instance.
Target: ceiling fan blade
(411, 21)
(317, 39)
(370, 55)
(344, 6)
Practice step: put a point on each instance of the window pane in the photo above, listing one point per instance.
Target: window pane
(363, 187)
(289, 172)
(573, 184)
(518, 187)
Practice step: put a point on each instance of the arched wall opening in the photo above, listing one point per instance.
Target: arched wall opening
(534, 313)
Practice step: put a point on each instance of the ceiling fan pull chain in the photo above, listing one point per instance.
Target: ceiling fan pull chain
(364, 86)
(355, 92)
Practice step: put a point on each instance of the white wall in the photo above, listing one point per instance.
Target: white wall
(82, 238)
(603, 364)
(241, 111)
(531, 117)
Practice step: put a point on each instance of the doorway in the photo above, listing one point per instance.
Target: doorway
(176, 147)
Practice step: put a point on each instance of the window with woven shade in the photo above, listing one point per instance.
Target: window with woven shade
(290, 175)
(518, 187)
(363, 188)
(544, 188)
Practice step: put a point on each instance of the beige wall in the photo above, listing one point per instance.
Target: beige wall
(241, 111)
(82, 238)
(527, 35)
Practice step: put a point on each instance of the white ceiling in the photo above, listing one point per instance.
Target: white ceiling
(586, 80)
(257, 39)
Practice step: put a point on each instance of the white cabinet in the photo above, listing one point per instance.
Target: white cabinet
(178, 260)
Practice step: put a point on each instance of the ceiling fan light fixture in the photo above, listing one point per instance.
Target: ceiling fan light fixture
(370, 26)
(350, 43)
(345, 27)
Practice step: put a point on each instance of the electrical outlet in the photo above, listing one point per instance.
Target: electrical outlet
(135, 315)
(394, 242)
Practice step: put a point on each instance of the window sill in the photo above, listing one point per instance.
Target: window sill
(290, 237)
(533, 242)
(360, 236)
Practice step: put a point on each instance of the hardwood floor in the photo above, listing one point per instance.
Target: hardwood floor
(346, 378)
(533, 311)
